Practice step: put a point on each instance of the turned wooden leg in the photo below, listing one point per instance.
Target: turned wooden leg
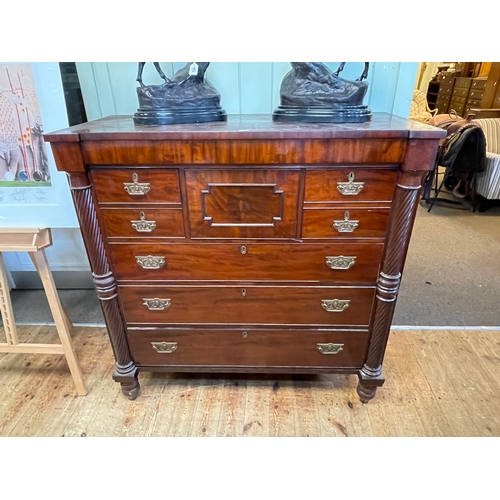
(127, 377)
(365, 393)
(369, 381)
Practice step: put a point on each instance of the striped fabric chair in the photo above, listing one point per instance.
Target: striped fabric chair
(488, 182)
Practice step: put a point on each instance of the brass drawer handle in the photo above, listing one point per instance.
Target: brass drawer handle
(330, 348)
(346, 225)
(157, 304)
(143, 225)
(150, 261)
(350, 188)
(340, 262)
(335, 305)
(136, 188)
(164, 347)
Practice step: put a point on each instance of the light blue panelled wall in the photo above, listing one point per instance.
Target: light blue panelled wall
(245, 87)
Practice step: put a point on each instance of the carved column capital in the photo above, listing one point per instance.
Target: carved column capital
(105, 285)
(388, 287)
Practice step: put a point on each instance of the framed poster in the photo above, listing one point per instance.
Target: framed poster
(32, 192)
(23, 154)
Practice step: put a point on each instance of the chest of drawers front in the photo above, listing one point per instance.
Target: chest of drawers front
(248, 255)
(280, 260)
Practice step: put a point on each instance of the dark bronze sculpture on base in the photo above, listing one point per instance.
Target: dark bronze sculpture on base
(311, 92)
(187, 98)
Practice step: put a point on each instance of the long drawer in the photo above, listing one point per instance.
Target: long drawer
(257, 305)
(251, 261)
(347, 222)
(247, 348)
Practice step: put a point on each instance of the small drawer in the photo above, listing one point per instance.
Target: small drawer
(350, 184)
(457, 107)
(447, 80)
(349, 222)
(444, 91)
(143, 222)
(473, 103)
(463, 82)
(247, 348)
(479, 84)
(252, 262)
(476, 94)
(136, 185)
(247, 304)
(442, 102)
(442, 107)
(460, 92)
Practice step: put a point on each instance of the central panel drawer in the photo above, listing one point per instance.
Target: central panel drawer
(257, 305)
(251, 261)
(246, 203)
(262, 348)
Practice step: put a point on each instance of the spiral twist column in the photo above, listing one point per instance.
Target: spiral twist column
(126, 372)
(403, 211)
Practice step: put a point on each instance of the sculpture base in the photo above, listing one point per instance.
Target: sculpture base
(340, 114)
(179, 115)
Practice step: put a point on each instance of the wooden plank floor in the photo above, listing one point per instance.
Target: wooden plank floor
(439, 383)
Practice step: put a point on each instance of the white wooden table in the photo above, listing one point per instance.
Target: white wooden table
(34, 241)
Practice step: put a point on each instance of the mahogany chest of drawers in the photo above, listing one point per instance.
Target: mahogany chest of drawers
(247, 246)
